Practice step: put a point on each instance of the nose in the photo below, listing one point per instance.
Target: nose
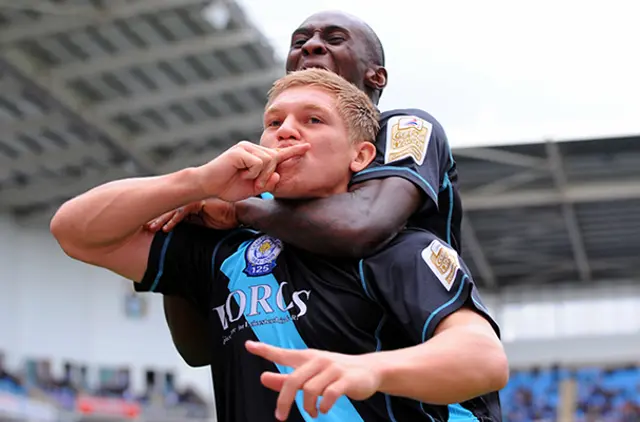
(288, 131)
(314, 47)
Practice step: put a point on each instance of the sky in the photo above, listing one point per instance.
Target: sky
(496, 72)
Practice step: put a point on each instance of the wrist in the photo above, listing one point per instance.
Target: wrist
(203, 181)
(246, 210)
(188, 181)
(388, 368)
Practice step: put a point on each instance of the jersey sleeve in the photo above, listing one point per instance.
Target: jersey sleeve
(181, 262)
(420, 280)
(412, 145)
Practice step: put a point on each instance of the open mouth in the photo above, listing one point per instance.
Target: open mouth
(314, 66)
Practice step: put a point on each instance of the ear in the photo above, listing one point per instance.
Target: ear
(365, 152)
(376, 77)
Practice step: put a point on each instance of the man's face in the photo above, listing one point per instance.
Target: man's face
(309, 115)
(332, 41)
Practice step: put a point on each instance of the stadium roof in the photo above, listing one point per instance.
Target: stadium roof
(550, 212)
(99, 90)
(96, 90)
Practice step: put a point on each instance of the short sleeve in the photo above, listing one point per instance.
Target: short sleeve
(412, 145)
(420, 280)
(181, 262)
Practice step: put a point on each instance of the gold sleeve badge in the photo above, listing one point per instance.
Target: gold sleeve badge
(407, 137)
(443, 261)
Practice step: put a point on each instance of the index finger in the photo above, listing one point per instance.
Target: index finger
(292, 151)
(285, 357)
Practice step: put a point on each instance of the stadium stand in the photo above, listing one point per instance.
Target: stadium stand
(34, 394)
(601, 394)
(532, 395)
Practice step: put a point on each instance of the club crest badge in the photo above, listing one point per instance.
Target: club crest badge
(261, 256)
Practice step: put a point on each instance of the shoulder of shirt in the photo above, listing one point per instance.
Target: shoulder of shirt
(438, 129)
(406, 250)
(386, 115)
(415, 237)
(399, 249)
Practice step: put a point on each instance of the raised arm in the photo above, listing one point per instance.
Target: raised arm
(103, 227)
(353, 224)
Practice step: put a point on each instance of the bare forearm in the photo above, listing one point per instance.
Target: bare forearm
(452, 367)
(110, 213)
(329, 226)
(353, 224)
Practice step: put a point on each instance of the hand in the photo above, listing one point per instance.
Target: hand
(213, 213)
(317, 373)
(245, 170)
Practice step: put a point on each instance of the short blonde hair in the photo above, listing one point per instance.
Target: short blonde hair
(357, 110)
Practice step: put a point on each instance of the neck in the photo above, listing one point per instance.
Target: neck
(374, 96)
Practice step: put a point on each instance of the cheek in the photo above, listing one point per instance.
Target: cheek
(292, 59)
(267, 141)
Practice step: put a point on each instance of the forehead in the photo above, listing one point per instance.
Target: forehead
(302, 98)
(331, 20)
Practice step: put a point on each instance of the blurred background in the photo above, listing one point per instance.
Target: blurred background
(540, 104)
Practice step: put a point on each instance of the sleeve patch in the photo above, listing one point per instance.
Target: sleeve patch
(443, 262)
(407, 137)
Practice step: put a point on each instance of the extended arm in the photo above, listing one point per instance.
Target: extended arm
(463, 360)
(353, 224)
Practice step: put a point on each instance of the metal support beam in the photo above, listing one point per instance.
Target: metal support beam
(507, 183)
(51, 160)
(203, 89)
(612, 190)
(248, 122)
(477, 254)
(495, 155)
(568, 213)
(190, 160)
(35, 125)
(175, 50)
(68, 101)
(56, 24)
(39, 219)
(48, 191)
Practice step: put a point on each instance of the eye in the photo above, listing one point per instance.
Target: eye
(335, 39)
(315, 120)
(298, 42)
(274, 123)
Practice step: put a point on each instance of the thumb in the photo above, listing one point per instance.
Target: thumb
(273, 381)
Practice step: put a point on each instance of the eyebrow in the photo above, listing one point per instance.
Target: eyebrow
(330, 28)
(305, 107)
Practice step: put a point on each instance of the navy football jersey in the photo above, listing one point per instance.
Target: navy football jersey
(412, 145)
(254, 287)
